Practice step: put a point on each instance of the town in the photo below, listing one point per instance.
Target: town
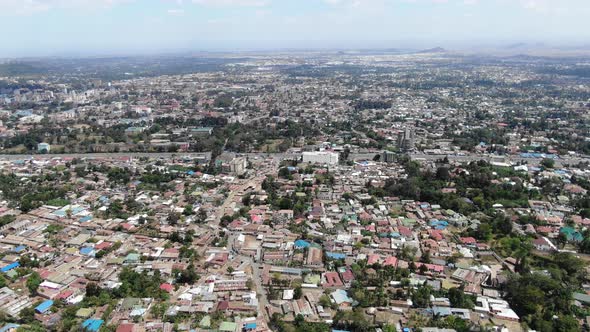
(307, 191)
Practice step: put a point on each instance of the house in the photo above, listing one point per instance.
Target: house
(92, 325)
(331, 279)
(346, 275)
(543, 244)
(167, 287)
(341, 298)
(314, 256)
(44, 307)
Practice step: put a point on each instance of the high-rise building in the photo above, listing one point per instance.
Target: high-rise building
(406, 140)
(321, 157)
(388, 157)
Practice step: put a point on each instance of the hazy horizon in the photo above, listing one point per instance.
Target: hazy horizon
(38, 28)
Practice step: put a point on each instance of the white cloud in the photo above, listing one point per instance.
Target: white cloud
(238, 3)
(27, 7)
(176, 12)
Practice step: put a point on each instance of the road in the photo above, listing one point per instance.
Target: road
(289, 156)
(256, 276)
(507, 158)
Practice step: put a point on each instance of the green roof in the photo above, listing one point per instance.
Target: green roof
(130, 303)
(571, 234)
(132, 257)
(228, 326)
(84, 312)
(584, 298)
(205, 322)
(313, 279)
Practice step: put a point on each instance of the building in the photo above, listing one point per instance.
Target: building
(388, 157)
(201, 131)
(238, 165)
(406, 141)
(321, 157)
(43, 147)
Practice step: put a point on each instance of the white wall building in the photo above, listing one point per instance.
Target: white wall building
(320, 157)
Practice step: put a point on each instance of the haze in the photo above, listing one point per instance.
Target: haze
(93, 27)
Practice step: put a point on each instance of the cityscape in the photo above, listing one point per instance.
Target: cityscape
(377, 189)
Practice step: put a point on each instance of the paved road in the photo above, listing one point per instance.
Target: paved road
(284, 156)
(509, 159)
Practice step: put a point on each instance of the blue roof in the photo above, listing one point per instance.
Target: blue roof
(10, 267)
(77, 210)
(9, 327)
(85, 219)
(441, 311)
(19, 248)
(86, 250)
(43, 307)
(302, 244)
(250, 326)
(92, 324)
(336, 255)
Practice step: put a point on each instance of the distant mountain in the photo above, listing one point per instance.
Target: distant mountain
(434, 50)
(515, 45)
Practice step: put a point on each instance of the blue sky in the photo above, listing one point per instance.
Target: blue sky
(87, 27)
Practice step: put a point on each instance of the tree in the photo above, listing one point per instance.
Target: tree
(426, 257)
(421, 297)
(503, 224)
(459, 299)
(27, 315)
(188, 210)
(442, 173)
(173, 218)
(297, 293)
(92, 289)
(548, 163)
(33, 282)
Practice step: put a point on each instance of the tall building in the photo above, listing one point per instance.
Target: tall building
(388, 157)
(321, 157)
(238, 165)
(406, 140)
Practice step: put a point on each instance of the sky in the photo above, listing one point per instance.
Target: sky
(102, 27)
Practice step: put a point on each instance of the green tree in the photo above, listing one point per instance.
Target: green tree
(33, 282)
(548, 163)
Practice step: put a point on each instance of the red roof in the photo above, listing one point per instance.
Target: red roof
(390, 261)
(347, 275)
(431, 267)
(405, 231)
(372, 259)
(103, 245)
(64, 295)
(167, 287)
(332, 279)
(127, 327)
(468, 240)
(223, 305)
(436, 234)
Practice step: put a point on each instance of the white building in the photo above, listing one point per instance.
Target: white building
(321, 157)
(43, 147)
